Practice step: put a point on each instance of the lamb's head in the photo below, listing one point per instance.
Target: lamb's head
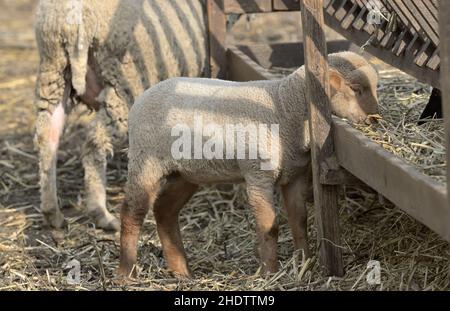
(353, 83)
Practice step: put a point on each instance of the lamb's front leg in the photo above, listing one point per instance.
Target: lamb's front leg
(260, 196)
(294, 197)
(96, 149)
(49, 127)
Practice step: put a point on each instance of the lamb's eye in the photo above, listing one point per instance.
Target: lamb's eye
(357, 89)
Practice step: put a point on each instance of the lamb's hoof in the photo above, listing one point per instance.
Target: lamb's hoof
(55, 219)
(108, 223)
(122, 281)
(182, 276)
(181, 272)
(126, 272)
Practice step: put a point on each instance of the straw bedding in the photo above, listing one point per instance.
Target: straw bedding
(217, 224)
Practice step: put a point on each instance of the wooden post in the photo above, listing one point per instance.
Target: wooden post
(444, 30)
(320, 124)
(217, 27)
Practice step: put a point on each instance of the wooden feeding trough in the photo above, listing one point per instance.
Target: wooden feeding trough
(406, 36)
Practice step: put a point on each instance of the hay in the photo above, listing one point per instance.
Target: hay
(217, 225)
(402, 100)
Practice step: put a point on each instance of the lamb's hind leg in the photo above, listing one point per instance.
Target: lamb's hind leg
(141, 193)
(174, 194)
(294, 197)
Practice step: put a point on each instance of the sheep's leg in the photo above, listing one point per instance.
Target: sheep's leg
(294, 196)
(173, 196)
(111, 124)
(96, 149)
(49, 127)
(52, 94)
(260, 197)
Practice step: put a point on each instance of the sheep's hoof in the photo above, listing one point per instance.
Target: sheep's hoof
(55, 219)
(108, 223)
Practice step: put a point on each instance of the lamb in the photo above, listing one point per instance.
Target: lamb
(160, 179)
(104, 54)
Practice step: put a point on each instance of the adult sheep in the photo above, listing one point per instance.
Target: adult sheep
(104, 54)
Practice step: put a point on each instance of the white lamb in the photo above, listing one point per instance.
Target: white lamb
(160, 179)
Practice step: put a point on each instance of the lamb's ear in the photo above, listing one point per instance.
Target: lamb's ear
(337, 81)
(359, 78)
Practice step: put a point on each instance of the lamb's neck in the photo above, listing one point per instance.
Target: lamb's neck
(294, 108)
(292, 95)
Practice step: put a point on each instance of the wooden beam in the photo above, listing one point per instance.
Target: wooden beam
(415, 193)
(444, 26)
(322, 147)
(286, 5)
(288, 55)
(260, 6)
(242, 68)
(217, 22)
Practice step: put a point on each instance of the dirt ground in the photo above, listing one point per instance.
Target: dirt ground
(217, 225)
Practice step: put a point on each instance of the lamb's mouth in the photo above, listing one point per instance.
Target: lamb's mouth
(373, 119)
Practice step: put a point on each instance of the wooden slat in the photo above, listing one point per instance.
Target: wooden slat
(417, 194)
(423, 55)
(401, 43)
(350, 17)
(435, 60)
(404, 14)
(217, 38)
(393, 5)
(444, 22)
(245, 6)
(426, 21)
(404, 62)
(433, 10)
(322, 147)
(342, 10)
(332, 7)
(359, 23)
